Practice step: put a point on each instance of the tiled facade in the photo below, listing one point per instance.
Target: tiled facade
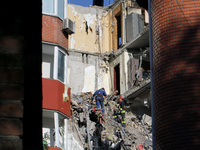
(52, 31)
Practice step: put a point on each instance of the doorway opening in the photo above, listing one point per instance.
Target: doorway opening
(117, 78)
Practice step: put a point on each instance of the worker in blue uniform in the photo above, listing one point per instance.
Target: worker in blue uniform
(99, 97)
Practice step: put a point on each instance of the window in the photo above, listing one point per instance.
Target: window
(119, 35)
(48, 6)
(61, 8)
(54, 63)
(47, 61)
(54, 7)
(61, 66)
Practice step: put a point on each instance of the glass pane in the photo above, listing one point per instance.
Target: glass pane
(47, 66)
(61, 66)
(48, 6)
(61, 8)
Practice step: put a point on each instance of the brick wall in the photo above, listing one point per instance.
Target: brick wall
(20, 76)
(52, 31)
(176, 50)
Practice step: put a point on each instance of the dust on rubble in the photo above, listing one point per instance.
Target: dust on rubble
(94, 130)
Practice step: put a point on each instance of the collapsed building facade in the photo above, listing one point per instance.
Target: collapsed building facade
(176, 82)
(109, 47)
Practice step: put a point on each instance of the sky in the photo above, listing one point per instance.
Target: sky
(86, 3)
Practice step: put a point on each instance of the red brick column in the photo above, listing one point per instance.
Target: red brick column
(176, 60)
(11, 92)
(20, 75)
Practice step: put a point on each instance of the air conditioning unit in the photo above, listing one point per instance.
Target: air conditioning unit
(68, 26)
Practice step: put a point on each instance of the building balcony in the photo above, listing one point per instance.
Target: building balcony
(54, 148)
(56, 96)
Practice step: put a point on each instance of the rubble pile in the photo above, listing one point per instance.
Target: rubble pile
(104, 133)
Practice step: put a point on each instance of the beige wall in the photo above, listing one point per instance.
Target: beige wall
(97, 20)
(103, 41)
(106, 28)
(91, 42)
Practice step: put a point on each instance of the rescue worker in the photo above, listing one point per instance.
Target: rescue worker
(115, 115)
(99, 98)
(122, 111)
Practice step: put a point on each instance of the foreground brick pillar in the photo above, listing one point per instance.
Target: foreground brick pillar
(176, 50)
(20, 75)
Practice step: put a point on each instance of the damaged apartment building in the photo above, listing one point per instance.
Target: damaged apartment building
(109, 47)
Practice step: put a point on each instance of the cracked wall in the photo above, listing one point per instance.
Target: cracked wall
(86, 73)
(91, 23)
(91, 38)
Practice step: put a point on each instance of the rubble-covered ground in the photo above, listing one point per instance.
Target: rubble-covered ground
(89, 124)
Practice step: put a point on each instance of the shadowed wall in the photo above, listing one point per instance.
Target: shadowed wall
(176, 53)
(20, 75)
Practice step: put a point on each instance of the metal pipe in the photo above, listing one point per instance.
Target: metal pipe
(56, 124)
(66, 134)
(151, 68)
(124, 17)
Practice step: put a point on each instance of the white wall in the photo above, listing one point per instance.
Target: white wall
(73, 143)
(47, 66)
(122, 60)
(87, 76)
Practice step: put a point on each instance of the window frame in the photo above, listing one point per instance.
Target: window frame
(55, 49)
(61, 66)
(55, 71)
(55, 11)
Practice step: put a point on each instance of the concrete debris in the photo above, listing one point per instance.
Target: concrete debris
(96, 131)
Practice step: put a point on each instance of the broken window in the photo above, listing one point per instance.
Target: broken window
(138, 71)
(119, 36)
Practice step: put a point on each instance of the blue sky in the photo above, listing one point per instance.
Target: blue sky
(86, 3)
